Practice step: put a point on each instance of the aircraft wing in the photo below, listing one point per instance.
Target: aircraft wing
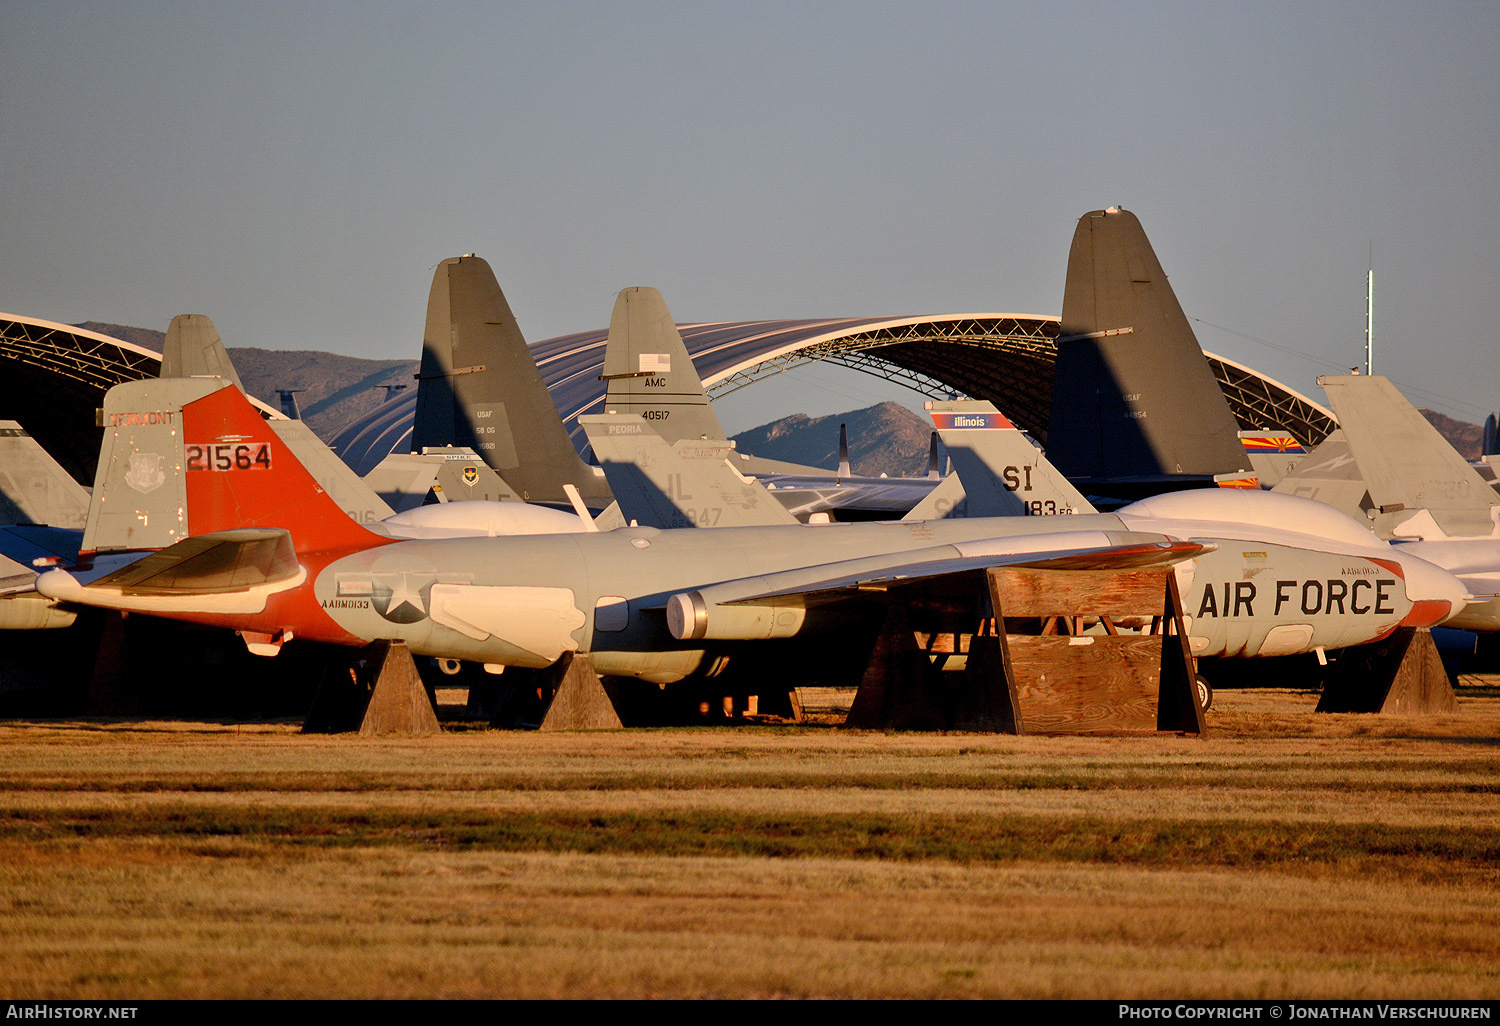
(745, 608)
(226, 571)
(1482, 586)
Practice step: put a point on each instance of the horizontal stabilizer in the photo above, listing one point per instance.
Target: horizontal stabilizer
(225, 561)
(27, 545)
(690, 484)
(226, 571)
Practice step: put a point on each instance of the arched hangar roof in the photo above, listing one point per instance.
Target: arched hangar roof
(53, 378)
(1005, 358)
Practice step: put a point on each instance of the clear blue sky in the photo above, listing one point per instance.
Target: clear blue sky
(296, 170)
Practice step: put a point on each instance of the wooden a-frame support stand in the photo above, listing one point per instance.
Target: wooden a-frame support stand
(1053, 680)
(379, 692)
(1399, 676)
(568, 695)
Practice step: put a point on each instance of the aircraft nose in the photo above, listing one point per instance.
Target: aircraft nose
(1435, 594)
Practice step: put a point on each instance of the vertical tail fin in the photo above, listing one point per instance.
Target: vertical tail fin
(480, 389)
(1002, 473)
(1330, 475)
(649, 374)
(844, 469)
(350, 492)
(1133, 394)
(1407, 466)
(648, 371)
(1272, 454)
(193, 349)
(191, 456)
(140, 488)
(289, 407)
(690, 484)
(34, 489)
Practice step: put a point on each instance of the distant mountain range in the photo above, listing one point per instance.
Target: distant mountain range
(886, 438)
(1468, 439)
(337, 389)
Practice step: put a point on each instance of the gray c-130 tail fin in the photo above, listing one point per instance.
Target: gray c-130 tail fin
(479, 388)
(1133, 394)
(649, 374)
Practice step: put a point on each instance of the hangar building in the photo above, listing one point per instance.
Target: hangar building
(1005, 358)
(53, 377)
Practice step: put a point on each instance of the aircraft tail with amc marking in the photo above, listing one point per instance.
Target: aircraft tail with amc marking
(479, 388)
(1133, 395)
(650, 375)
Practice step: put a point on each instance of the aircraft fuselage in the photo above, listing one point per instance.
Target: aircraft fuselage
(525, 601)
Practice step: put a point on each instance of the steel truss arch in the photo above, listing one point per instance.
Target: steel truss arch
(53, 376)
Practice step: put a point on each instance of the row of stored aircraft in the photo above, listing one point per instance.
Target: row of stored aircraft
(206, 512)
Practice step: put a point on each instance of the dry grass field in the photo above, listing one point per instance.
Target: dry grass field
(1285, 855)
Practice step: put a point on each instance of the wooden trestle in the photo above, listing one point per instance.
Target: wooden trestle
(1015, 659)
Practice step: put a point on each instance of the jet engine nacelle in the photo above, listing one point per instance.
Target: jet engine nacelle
(692, 617)
(31, 612)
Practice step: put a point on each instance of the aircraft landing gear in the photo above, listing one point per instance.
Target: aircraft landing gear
(1205, 691)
